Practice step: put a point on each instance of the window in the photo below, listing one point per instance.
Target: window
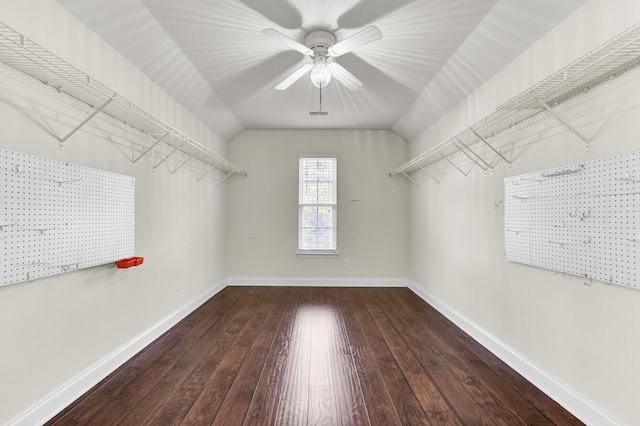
(317, 206)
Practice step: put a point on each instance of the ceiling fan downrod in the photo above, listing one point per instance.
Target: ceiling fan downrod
(319, 111)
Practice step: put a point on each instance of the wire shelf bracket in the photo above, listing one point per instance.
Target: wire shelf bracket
(156, 165)
(563, 121)
(446, 157)
(86, 120)
(181, 164)
(491, 147)
(209, 170)
(486, 166)
(160, 139)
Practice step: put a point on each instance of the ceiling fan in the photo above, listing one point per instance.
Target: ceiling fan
(321, 46)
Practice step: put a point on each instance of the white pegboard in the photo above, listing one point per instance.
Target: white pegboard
(57, 217)
(582, 219)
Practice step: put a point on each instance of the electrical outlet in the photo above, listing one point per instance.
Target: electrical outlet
(347, 263)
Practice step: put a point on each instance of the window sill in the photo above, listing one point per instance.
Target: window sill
(318, 253)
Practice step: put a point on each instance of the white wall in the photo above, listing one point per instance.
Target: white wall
(373, 230)
(585, 337)
(55, 328)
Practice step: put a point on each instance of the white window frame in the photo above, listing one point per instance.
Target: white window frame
(329, 252)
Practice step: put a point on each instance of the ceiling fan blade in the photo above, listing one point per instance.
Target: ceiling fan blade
(284, 15)
(368, 35)
(343, 76)
(366, 12)
(297, 74)
(277, 35)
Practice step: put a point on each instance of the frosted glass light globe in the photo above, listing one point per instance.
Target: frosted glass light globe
(320, 74)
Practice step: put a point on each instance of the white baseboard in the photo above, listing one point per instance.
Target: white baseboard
(318, 282)
(580, 407)
(51, 405)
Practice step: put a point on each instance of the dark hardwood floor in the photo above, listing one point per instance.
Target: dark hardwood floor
(317, 356)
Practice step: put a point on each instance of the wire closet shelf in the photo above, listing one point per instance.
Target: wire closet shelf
(30, 58)
(609, 60)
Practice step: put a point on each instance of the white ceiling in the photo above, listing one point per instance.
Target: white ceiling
(213, 59)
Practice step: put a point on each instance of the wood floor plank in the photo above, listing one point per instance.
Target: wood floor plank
(292, 413)
(302, 356)
(213, 311)
(173, 411)
(266, 399)
(320, 346)
(174, 398)
(379, 406)
(170, 399)
(350, 405)
(497, 409)
(135, 391)
(392, 375)
(201, 374)
(432, 401)
(295, 381)
(322, 406)
(236, 404)
(164, 389)
(458, 397)
(410, 411)
(294, 394)
(206, 406)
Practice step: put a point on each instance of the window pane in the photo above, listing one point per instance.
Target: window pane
(325, 170)
(325, 217)
(309, 216)
(325, 193)
(309, 193)
(325, 239)
(309, 238)
(310, 170)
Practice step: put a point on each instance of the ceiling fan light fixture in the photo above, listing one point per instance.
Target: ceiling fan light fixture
(320, 74)
(320, 45)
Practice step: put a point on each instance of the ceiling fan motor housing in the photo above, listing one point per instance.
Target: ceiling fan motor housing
(320, 41)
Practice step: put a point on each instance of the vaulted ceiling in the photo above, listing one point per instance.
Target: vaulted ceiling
(211, 56)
